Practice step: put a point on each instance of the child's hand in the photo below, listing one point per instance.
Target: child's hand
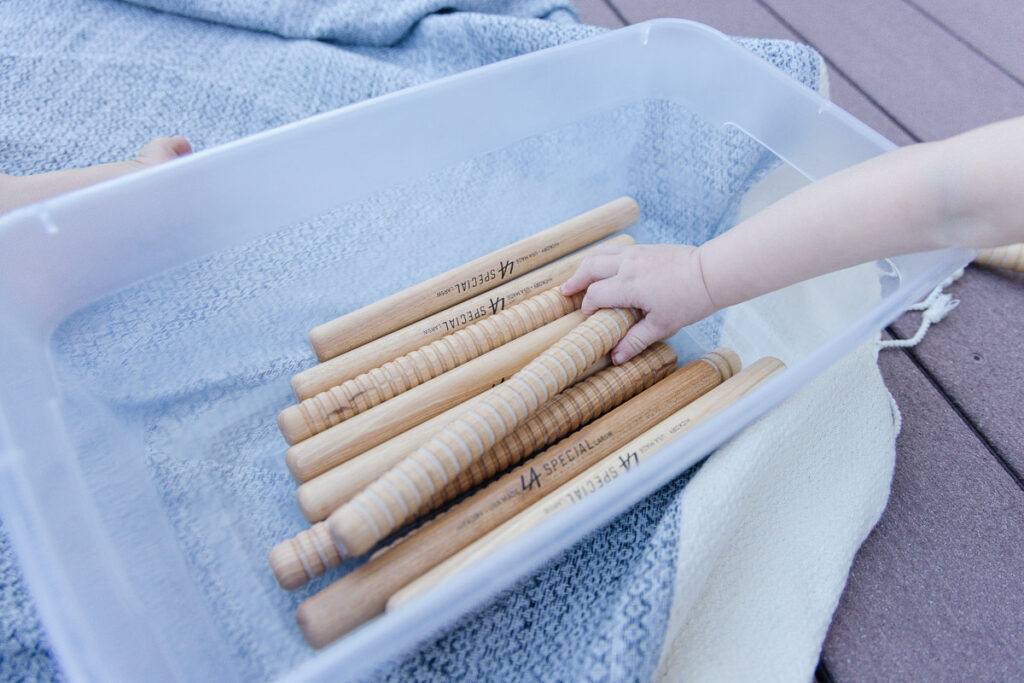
(664, 281)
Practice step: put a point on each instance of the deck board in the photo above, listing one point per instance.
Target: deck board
(598, 13)
(934, 593)
(977, 356)
(917, 72)
(993, 27)
(751, 18)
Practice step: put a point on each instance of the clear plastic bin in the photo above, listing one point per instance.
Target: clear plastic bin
(103, 543)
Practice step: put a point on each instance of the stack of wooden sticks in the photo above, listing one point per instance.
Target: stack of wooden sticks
(424, 395)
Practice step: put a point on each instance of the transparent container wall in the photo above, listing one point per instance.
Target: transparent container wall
(170, 387)
(143, 474)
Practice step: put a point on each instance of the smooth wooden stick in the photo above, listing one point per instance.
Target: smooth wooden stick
(440, 292)
(404, 491)
(361, 393)
(344, 441)
(361, 595)
(310, 553)
(323, 494)
(599, 474)
(1010, 257)
(333, 372)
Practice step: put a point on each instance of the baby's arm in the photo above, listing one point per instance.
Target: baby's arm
(964, 191)
(16, 191)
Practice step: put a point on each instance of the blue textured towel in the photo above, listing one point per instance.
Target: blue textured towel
(86, 82)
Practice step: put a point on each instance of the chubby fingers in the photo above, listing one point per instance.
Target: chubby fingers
(637, 338)
(603, 262)
(607, 293)
(612, 293)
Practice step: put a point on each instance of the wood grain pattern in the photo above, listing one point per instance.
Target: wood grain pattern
(372, 388)
(342, 442)
(391, 313)
(361, 595)
(565, 413)
(303, 557)
(607, 469)
(333, 372)
(406, 489)
(323, 494)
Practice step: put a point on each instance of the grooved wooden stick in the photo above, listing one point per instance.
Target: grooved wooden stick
(323, 494)
(404, 490)
(565, 413)
(344, 441)
(372, 388)
(306, 556)
(334, 371)
(609, 468)
(361, 595)
(437, 293)
(1010, 257)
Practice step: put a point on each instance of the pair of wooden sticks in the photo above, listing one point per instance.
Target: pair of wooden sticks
(396, 427)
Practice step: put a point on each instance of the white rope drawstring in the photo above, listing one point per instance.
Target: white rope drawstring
(935, 307)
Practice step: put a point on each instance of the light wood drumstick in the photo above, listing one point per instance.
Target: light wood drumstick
(440, 292)
(323, 494)
(361, 595)
(344, 441)
(608, 469)
(333, 372)
(310, 553)
(361, 393)
(1010, 257)
(404, 490)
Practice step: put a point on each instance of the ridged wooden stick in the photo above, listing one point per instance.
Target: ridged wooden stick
(403, 491)
(361, 595)
(1010, 257)
(440, 292)
(361, 393)
(564, 414)
(342, 442)
(323, 494)
(334, 371)
(608, 469)
(306, 556)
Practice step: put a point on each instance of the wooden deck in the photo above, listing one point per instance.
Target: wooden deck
(937, 591)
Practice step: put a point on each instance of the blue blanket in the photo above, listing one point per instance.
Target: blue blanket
(91, 81)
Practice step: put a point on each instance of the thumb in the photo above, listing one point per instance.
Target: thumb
(637, 338)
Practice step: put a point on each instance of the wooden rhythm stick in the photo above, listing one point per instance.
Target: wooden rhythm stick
(595, 477)
(1010, 257)
(361, 595)
(344, 441)
(565, 413)
(440, 292)
(404, 490)
(323, 494)
(333, 372)
(310, 553)
(357, 395)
